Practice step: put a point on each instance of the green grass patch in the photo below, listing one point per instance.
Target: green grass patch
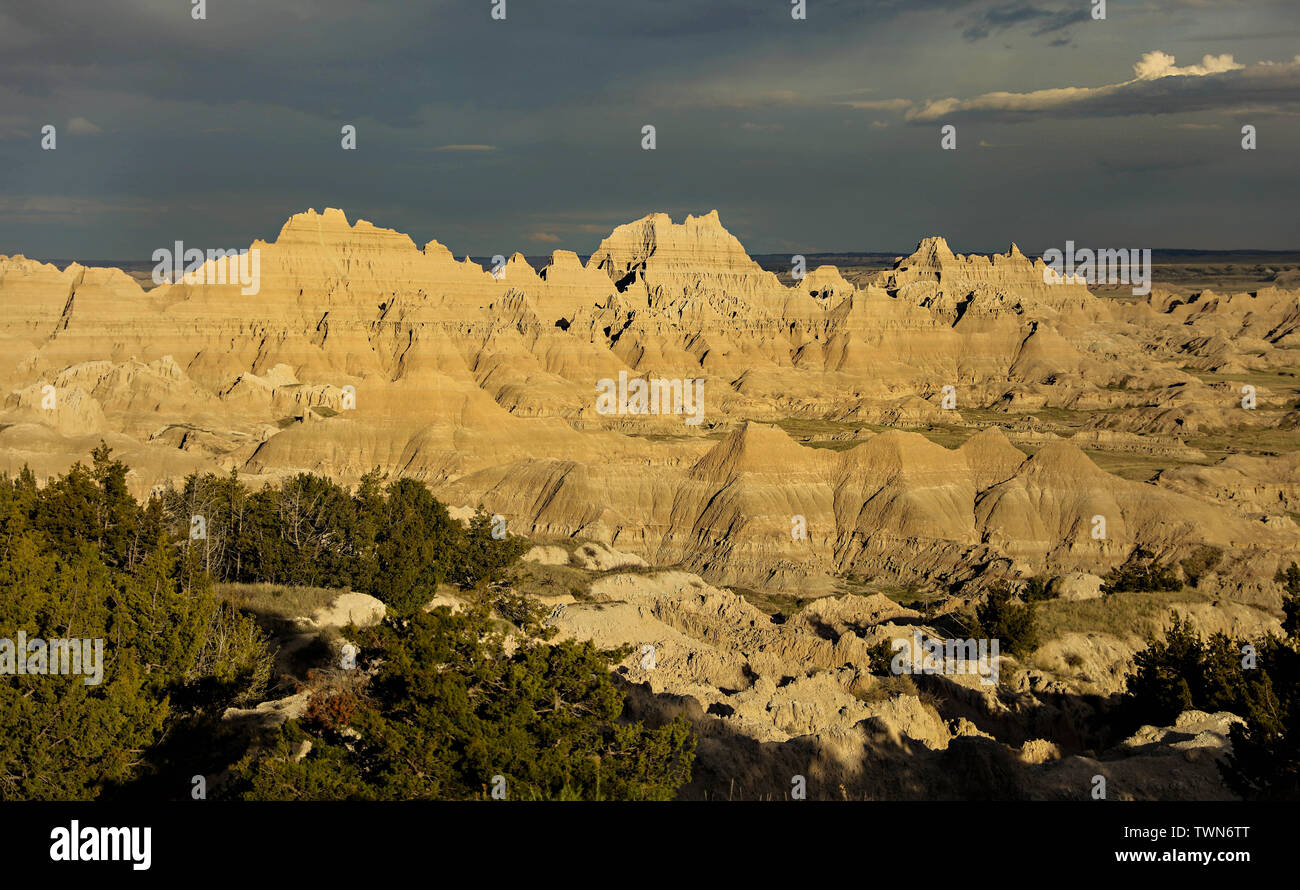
(1134, 467)
(1245, 441)
(772, 603)
(1277, 379)
(1119, 614)
(535, 579)
(277, 600)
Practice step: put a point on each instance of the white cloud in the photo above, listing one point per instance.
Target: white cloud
(63, 208)
(880, 104)
(1159, 86)
(1159, 64)
(79, 126)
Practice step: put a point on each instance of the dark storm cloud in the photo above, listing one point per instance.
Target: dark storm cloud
(1003, 16)
(493, 136)
(392, 55)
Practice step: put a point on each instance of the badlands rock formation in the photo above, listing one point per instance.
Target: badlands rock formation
(362, 350)
(774, 700)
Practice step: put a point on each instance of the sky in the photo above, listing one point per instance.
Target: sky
(525, 133)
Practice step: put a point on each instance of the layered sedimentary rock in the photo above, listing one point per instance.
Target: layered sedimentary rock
(358, 349)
